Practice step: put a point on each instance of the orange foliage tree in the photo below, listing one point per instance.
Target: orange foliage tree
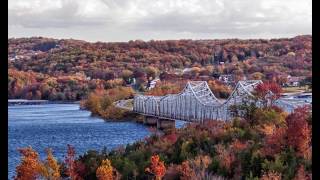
(219, 89)
(100, 102)
(30, 165)
(166, 87)
(237, 145)
(157, 167)
(105, 171)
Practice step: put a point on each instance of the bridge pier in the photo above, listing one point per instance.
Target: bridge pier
(160, 123)
(150, 120)
(166, 124)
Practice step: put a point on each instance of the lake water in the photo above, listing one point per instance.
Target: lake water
(56, 125)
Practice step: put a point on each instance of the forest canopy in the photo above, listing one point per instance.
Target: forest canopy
(67, 69)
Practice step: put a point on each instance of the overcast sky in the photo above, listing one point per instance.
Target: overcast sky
(123, 20)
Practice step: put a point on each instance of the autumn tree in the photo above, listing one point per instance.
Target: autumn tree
(139, 73)
(157, 167)
(219, 90)
(225, 156)
(164, 88)
(92, 103)
(275, 142)
(126, 75)
(151, 72)
(199, 165)
(50, 170)
(299, 132)
(301, 174)
(269, 116)
(71, 164)
(257, 76)
(30, 165)
(271, 175)
(195, 71)
(105, 171)
(114, 83)
(185, 171)
(268, 92)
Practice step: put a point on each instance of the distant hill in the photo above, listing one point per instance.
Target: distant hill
(85, 65)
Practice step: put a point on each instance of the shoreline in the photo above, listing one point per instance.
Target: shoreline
(13, 102)
(128, 117)
(124, 119)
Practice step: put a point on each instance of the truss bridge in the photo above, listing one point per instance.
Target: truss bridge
(195, 103)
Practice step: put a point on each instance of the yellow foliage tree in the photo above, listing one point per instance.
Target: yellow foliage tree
(105, 171)
(50, 169)
(93, 103)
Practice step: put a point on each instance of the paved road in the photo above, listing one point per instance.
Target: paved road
(123, 104)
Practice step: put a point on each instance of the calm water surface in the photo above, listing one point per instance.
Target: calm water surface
(56, 125)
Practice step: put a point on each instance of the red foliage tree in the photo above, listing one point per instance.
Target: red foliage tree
(172, 137)
(72, 165)
(301, 174)
(157, 167)
(299, 132)
(275, 142)
(268, 92)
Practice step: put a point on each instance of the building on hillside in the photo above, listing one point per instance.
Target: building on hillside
(186, 70)
(177, 71)
(294, 81)
(153, 83)
(226, 78)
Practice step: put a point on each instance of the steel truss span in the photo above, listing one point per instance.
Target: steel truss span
(197, 103)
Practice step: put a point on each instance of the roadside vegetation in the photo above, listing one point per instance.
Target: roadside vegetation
(298, 89)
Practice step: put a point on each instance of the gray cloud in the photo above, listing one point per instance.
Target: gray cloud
(60, 17)
(122, 20)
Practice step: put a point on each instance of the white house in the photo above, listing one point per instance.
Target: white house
(153, 83)
(294, 81)
(226, 78)
(186, 70)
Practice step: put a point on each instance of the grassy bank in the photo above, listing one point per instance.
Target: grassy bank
(296, 89)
